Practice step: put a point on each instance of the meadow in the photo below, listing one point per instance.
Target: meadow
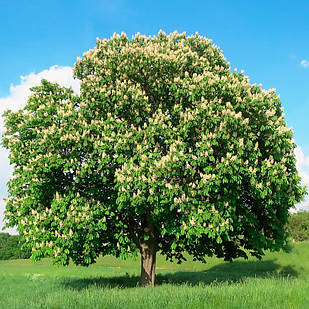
(279, 280)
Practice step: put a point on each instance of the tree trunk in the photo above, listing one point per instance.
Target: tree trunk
(148, 262)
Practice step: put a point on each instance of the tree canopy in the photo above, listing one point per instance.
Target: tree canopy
(164, 149)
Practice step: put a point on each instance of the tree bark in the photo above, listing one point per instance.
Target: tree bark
(148, 262)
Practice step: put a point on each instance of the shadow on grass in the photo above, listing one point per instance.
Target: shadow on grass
(232, 273)
(222, 273)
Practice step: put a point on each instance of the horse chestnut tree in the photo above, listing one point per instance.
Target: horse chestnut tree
(164, 150)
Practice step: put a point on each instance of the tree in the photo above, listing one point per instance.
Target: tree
(164, 149)
(11, 247)
(4, 238)
(299, 226)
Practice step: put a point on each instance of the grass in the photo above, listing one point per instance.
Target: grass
(280, 280)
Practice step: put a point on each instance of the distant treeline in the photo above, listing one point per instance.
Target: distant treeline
(299, 226)
(10, 247)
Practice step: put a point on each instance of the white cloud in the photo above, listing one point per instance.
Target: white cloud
(304, 63)
(302, 165)
(19, 94)
(16, 100)
(5, 169)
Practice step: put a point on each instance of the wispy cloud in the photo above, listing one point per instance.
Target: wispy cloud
(304, 63)
(16, 100)
(19, 94)
(302, 165)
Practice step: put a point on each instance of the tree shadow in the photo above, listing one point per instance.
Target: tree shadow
(119, 282)
(225, 272)
(231, 273)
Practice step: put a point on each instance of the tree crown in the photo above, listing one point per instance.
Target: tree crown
(163, 142)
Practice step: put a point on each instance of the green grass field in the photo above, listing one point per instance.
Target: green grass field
(280, 280)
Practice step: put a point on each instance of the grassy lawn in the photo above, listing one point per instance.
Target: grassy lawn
(280, 280)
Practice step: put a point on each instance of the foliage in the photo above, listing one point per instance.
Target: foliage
(164, 145)
(299, 226)
(3, 238)
(11, 247)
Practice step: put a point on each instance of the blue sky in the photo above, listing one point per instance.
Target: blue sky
(267, 39)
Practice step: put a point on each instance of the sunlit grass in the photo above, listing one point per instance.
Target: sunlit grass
(280, 280)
